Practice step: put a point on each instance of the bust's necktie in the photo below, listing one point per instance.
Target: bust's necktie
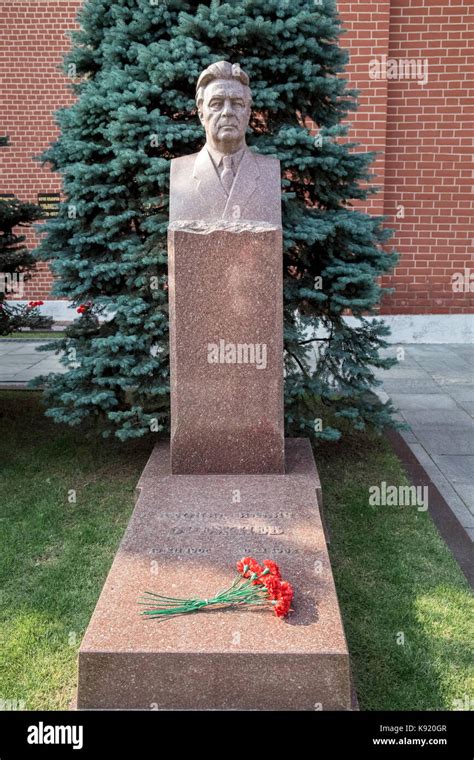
(227, 176)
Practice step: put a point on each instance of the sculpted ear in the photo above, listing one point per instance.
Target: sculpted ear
(199, 110)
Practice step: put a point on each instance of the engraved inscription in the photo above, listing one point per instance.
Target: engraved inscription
(189, 524)
(225, 530)
(180, 550)
(223, 515)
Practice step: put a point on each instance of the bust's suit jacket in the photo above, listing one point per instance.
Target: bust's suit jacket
(196, 191)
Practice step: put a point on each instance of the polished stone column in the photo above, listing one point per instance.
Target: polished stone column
(226, 343)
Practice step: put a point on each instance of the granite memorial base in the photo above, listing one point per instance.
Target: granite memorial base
(226, 347)
(184, 538)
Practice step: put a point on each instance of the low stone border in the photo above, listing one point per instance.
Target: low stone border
(449, 527)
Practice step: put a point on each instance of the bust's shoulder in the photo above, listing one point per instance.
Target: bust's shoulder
(269, 162)
(182, 161)
(262, 157)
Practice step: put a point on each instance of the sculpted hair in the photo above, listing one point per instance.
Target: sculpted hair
(221, 70)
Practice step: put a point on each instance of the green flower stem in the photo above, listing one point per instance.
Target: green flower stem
(241, 591)
(160, 596)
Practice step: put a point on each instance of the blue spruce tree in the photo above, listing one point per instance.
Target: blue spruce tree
(134, 65)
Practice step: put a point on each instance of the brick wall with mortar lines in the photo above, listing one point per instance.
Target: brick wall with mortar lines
(429, 156)
(33, 41)
(423, 132)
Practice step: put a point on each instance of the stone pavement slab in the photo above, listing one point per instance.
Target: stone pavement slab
(458, 469)
(438, 407)
(399, 385)
(20, 362)
(423, 401)
(437, 439)
(444, 486)
(437, 417)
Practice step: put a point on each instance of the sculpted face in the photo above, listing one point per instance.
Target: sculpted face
(225, 114)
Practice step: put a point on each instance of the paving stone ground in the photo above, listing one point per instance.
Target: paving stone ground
(432, 386)
(20, 362)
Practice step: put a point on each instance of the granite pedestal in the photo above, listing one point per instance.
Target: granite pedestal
(185, 535)
(226, 347)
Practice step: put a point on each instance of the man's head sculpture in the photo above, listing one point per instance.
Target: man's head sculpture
(224, 101)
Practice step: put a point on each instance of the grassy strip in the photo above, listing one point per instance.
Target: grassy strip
(32, 335)
(55, 553)
(407, 608)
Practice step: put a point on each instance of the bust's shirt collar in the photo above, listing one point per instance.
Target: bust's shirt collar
(217, 157)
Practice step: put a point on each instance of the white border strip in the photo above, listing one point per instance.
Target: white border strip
(428, 328)
(406, 328)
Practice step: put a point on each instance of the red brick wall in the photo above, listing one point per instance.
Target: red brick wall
(367, 27)
(429, 167)
(32, 43)
(425, 132)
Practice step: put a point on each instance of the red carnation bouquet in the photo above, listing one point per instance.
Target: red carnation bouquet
(255, 585)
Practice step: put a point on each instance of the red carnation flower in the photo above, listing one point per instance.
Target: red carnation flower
(243, 563)
(255, 567)
(282, 607)
(248, 565)
(272, 584)
(286, 590)
(273, 567)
